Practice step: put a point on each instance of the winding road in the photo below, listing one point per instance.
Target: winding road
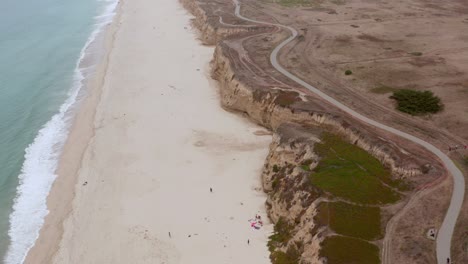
(444, 236)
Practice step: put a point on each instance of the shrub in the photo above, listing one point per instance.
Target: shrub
(348, 72)
(275, 168)
(282, 231)
(275, 184)
(417, 102)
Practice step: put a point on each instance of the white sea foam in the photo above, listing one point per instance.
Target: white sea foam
(41, 159)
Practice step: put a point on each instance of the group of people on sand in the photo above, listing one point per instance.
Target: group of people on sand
(256, 223)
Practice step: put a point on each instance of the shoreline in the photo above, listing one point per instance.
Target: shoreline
(65, 190)
(80, 133)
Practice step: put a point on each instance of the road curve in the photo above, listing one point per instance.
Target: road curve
(444, 236)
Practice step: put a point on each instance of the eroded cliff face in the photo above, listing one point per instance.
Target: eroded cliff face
(291, 197)
(274, 106)
(296, 120)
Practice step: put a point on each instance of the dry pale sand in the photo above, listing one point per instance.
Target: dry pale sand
(161, 141)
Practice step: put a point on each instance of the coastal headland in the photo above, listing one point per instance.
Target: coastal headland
(246, 65)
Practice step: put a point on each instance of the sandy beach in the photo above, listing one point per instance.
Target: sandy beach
(144, 151)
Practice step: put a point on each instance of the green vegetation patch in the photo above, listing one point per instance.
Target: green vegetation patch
(352, 220)
(383, 89)
(297, 3)
(338, 2)
(291, 256)
(282, 234)
(348, 72)
(275, 168)
(305, 165)
(417, 102)
(346, 250)
(287, 98)
(280, 238)
(349, 172)
(321, 218)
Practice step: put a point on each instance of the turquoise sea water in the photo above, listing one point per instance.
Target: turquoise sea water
(41, 44)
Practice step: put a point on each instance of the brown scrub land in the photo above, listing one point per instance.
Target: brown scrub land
(386, 46)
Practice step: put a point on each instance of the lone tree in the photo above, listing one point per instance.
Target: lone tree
(417, 102)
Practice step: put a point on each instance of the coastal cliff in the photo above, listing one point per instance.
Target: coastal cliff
(209, 33)
(298, 122)
(273, 107)
(292, 199)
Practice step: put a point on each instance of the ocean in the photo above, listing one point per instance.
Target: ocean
(42, 44)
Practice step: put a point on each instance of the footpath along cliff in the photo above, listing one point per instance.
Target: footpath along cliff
(311, 142)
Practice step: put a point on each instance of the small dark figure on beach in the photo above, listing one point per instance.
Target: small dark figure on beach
(211, 189)
(170, 234)
(448, 260)
(248, 241)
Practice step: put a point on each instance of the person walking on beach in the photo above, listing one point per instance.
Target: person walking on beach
(170, 235)
(211, 190)
(248, 241)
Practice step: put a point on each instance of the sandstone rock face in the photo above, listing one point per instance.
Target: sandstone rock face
(264, 108)
(291, 197)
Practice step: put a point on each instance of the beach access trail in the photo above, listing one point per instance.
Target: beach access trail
(161, 141)
(445, 232)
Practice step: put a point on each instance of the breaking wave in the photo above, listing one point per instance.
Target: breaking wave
(41, 160)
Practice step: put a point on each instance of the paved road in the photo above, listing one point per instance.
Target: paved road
(444, 236)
